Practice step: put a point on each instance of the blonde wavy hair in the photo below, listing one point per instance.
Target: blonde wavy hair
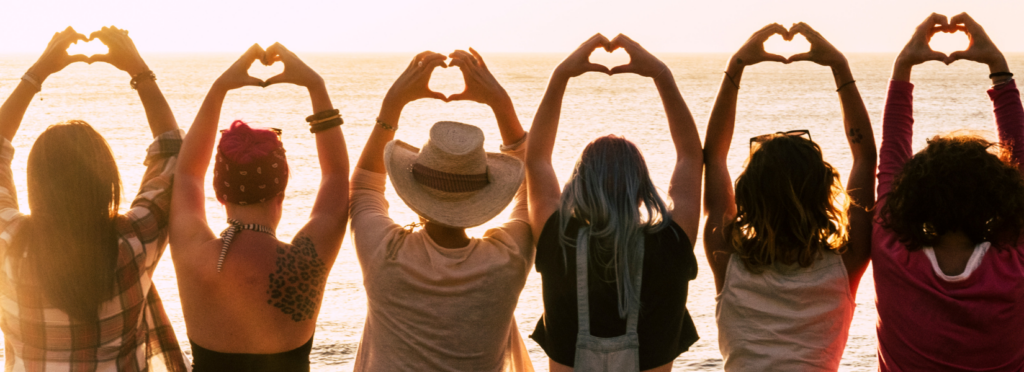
(788, 206)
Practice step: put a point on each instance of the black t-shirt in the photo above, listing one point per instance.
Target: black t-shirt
(664, 327)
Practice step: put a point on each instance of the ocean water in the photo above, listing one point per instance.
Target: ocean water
(774, 97)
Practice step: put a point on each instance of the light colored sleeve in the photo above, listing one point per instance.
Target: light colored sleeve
(518, 225)
(149, 215)
(368, 210)
(8, 197)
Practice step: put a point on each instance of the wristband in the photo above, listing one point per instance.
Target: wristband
(148, 74)
(999, 74)
(32, 80)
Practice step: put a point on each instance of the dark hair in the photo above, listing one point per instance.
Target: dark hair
(788, 208)
(69, 241)
(959, 182)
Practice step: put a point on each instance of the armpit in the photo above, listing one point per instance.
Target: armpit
(296, 286)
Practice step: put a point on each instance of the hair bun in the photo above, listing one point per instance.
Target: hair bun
(241, 144)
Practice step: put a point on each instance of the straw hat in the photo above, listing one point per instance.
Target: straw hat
(452, 181)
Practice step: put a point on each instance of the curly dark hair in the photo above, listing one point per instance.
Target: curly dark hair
(788, 209)
(959, 182)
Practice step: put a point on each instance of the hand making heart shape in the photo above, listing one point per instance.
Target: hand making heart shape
(121, 54)
(641, 62)
(295, 71)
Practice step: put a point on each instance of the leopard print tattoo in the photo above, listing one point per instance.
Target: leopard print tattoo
(295, 288)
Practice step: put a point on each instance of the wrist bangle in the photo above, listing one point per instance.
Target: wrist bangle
(730, 77)
(322, 115)
(1002, 82)
(326, 124)
(148, 74)
(385, 126)
(32, 80)
(336, 116)
(845, 84)
(1000, 74)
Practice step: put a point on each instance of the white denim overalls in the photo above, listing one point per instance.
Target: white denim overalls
(597, 354)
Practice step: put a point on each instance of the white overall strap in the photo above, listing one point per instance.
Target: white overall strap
(582, 291)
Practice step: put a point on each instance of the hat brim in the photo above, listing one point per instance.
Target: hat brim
(504, 173)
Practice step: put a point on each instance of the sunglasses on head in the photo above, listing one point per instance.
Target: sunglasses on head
(755, 142)
(276, 131)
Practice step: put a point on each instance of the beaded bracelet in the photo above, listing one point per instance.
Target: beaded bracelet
(385, 126)
(148, 74)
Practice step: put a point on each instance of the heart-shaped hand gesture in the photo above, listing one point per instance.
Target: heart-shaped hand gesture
(981, 49)
(237, 75)
(578, 63)
(641, 62)
(752, 52)
(55, 57)
(918, 50)
(413, 84)
(295, 71)
(121, 51)
(481, 86)
(822, 52)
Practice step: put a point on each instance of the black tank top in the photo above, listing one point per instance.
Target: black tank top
(205, 360)
(665, 328)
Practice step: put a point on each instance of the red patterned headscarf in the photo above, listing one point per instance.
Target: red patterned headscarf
(251, 167)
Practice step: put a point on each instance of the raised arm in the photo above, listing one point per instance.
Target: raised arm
(123, 55)
(684, 187)
(54, 59)
(410, 86)
(1004, 94)
(541, 181)
(482, 87)
(857, 125)
(189, 227)
(329, 216)
(719, 199)
(898, 115)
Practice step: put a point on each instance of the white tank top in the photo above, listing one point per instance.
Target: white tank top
(786, 318)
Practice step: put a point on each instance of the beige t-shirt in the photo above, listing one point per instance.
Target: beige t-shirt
(432, 308)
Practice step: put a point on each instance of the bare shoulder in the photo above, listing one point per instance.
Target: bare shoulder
(297, 283)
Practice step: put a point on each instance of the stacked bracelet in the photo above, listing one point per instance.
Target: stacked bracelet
(148, 74)
(324, 120)
(32, 80)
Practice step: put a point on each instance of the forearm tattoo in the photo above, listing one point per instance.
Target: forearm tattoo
(295, 288)
(855, 136)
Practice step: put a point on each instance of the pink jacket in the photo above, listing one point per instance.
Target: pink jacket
(924, 322)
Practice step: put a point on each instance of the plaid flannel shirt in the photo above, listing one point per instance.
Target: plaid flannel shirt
(133, 332)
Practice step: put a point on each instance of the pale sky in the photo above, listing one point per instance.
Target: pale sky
(492, 26)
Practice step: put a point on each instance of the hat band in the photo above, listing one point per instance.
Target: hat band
(448, 182)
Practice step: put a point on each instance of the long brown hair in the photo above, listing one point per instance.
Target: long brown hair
(69, 241)
(787, 206)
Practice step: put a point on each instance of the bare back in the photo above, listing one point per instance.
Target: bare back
(268, 293)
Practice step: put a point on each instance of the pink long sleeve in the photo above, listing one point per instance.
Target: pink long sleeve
(1009, 117)
(897, 134)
